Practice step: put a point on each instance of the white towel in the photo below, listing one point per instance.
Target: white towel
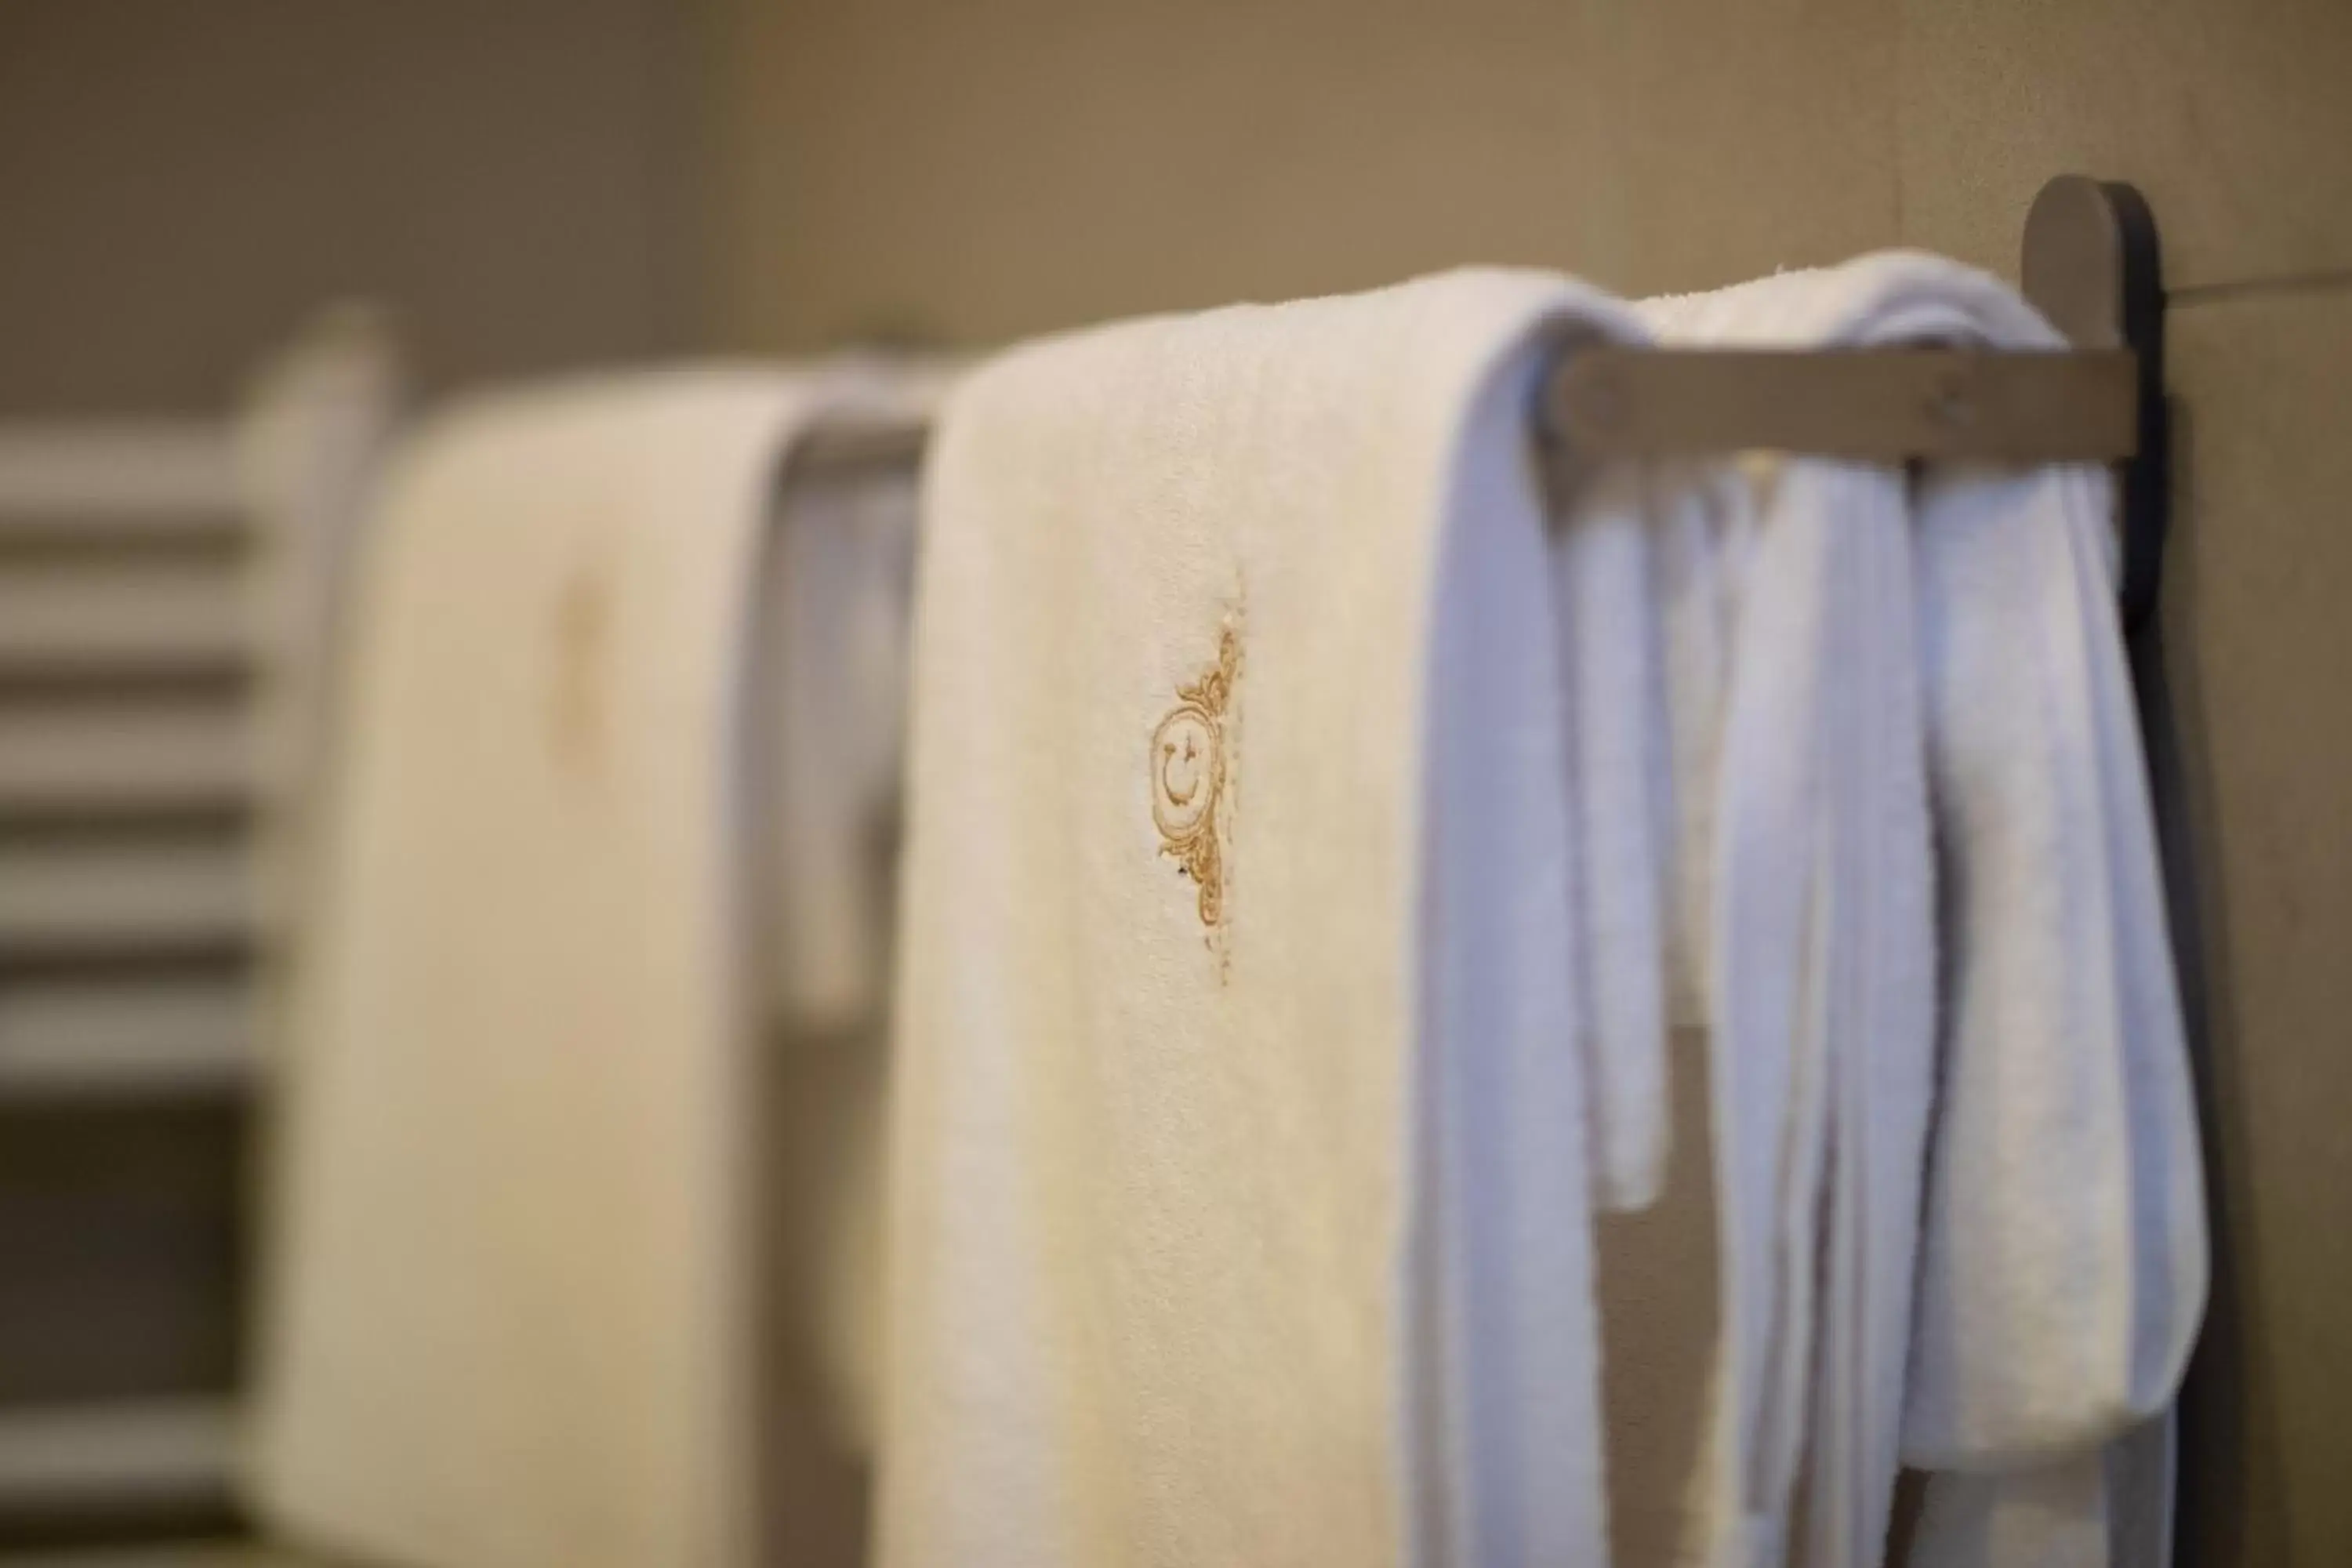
(828, 732)
(2096, 1508)
(1822, 996)
(1241, 1172)
(2065, 1264)
(2064, 1250)
(834, 673)
(510, 1324)
(1823, 1018)
(2050, 1516)
(1613, 615)
(2064, 1254)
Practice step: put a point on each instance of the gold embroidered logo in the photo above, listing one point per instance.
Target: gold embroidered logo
(1189, 763)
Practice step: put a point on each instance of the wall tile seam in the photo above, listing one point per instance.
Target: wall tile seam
(2271, 287)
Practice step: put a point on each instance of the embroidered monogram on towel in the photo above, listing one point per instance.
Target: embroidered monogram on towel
(1189, 758)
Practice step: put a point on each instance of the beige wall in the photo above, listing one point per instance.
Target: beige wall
(978, 171)
(182, 185)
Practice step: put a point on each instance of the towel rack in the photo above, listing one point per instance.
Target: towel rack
(2089, 265)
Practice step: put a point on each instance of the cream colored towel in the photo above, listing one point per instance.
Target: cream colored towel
(510, 1317)
(1240, 1152)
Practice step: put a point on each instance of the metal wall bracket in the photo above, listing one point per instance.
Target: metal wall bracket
(1893, 404)
(2091, 266)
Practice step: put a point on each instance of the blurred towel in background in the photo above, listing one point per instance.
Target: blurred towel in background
(828, 735)
(515, 1314)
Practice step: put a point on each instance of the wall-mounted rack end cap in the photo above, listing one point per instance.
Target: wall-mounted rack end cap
(2092, 264)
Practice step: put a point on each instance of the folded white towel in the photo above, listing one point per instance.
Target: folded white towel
(2096, 1508)
(2065, 1254)
(2050, 1516)
(1240, 1176)
(1620, 789)
(1822, 1000)
(1823, 1011)
(508, 1320)
(2064, 1249)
